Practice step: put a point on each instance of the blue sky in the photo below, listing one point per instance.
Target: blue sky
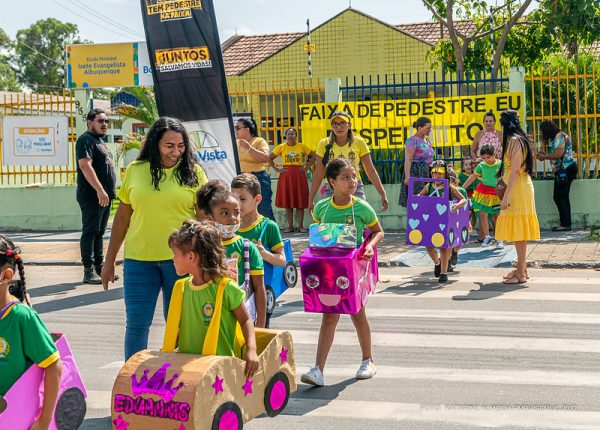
(247, 17)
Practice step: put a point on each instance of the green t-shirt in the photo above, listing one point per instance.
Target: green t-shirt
(271, 238)
(234, 248)
(156, 214)
(358, 212)
(198, 308)
(487, 173)
(24, 340)
(463, 192)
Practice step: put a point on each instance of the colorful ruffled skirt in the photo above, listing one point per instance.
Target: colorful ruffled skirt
(485, 200)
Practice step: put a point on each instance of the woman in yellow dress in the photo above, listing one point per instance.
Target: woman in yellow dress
(518, 220)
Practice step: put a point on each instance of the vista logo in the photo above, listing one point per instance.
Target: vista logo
(208, 149)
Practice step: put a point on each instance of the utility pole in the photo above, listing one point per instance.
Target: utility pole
(309, 50)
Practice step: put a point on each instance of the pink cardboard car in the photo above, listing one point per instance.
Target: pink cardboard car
(337, 280)
(19, 408)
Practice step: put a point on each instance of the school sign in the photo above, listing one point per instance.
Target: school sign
(388, 124)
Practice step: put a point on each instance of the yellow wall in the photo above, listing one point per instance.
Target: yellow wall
(349, 45)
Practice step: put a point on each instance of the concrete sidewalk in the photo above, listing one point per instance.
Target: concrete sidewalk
(556, 250)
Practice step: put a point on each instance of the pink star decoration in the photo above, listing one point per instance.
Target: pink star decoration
(181, 427)
(218, 385)
(283, 355)
(247, 387)
(120, 423)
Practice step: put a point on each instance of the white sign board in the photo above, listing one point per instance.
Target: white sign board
(35, 141)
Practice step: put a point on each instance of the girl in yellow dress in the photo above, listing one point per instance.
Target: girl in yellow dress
(518, 220)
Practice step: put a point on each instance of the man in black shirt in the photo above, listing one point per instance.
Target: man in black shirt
(95, 190)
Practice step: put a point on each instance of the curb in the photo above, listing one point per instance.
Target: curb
(62, 263)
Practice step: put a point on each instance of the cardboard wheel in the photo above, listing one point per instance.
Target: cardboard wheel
(290, 274)
(70, 410)
(277, 394)
(228, 417)
(270, 300)
(3, 404)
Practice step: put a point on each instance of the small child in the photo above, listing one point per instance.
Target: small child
(440, 171)
(261, 231)
(223, 207)
(485, 200)
(24, 339)
(343, 207)
(197, 251)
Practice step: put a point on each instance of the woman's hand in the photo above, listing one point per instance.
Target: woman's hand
(504, 204)
(251, 363)
(541, 156)
(244, 144)
(108, 274)
(311, 207)
(281, 170)
(406, 178)
(384, 203)
(368, 254)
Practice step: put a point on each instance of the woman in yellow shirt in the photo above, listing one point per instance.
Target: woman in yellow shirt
(253, 153)
(344, 144)
(292, 186)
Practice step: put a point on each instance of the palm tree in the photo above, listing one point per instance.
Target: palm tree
(146, 111)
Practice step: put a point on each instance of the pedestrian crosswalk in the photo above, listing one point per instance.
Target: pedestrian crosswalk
(472, 354)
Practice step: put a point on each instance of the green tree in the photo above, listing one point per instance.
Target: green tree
(503, 19)
(530, 44)
(8, 78)
(39, 53)
(146, 111)
(575, 23)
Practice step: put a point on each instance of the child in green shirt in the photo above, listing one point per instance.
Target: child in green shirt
(24, 340)
(205, 294)
(223, 207)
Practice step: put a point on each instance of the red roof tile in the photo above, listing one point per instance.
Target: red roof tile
(245, 52)
(431, 32)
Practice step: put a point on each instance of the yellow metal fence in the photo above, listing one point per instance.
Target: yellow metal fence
(570, 97)
(274, 105)
(21, 104)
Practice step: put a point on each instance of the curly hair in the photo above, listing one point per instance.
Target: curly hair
(213, 192)
(10, 257)
(185, 171)
(204, 240)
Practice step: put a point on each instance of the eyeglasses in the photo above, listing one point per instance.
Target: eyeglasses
(102, 121)
(339, 124)
(238, 127)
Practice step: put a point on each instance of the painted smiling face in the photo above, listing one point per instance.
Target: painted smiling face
(336, 280)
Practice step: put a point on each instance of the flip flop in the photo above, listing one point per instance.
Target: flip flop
(289, 230)
(514, 280)
(302, 230)
(512, 274)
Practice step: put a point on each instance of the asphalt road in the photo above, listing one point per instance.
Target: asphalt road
(471, 354)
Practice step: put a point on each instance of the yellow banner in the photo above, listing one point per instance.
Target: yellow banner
(102, 65)
(388, 124)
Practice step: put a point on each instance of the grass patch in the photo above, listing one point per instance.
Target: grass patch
(594, 234)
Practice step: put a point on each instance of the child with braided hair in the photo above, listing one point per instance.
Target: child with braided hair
(24, 339)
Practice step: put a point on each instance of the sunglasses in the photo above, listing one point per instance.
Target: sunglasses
(238, 127)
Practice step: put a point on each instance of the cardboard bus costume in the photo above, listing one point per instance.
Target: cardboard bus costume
(175, 391)
(22, 404)
(337, 279)
(430, 220)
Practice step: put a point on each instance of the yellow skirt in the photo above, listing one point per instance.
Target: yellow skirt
(519, 221)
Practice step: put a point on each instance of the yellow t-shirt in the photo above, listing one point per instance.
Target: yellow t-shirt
(247, 163)
(352, 152)
(291, 155)
(156, 214)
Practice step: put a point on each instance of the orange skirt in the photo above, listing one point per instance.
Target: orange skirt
(292, 189)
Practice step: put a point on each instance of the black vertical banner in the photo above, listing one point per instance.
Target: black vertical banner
(189, 78)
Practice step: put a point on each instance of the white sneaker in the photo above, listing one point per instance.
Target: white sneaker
(366, 370)
(314, 377)
(487, 241)
(500, 244)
